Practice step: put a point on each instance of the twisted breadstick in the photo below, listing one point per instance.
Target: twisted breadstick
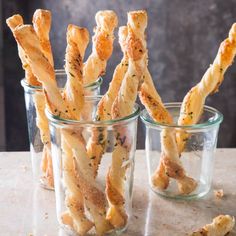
(39, 102)
(193, 102)
(13, 22)
(42, 25)
(42, 124)
(77, 41)
(26, 36)
(102, 45)
(169, 166)
(220, 226)
(74, 198)
(97, 142)
(123, 106)
(93, 196)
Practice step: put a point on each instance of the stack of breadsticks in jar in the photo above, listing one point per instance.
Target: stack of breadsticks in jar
(80, 160)
(41, 24)
(131, 78)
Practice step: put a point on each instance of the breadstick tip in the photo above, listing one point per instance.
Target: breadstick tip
(138, 19)
(41, 13)
(78, 34)
(41, 17)
(106, 19)
(232, 32)
(14, 21)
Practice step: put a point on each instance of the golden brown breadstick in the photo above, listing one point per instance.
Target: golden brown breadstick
(26, 36)
(77, 41)
(169, 165)
(13, 22)
(194, 101)
(74, 198)
(39, 102)
(42, 25)
(97, 142)
(220, 226)
(102, 45)
(94, 197)
(42, 124)
(123, 106)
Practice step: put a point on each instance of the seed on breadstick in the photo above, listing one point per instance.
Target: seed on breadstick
(102, 45)
(220, 226)
(97, 142)
(13, 22)
(77, 41)
(42, 25)
(194, 101)
(123, 106)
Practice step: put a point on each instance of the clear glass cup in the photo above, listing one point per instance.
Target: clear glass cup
(197, 157)
(40, 151)
(83, 153)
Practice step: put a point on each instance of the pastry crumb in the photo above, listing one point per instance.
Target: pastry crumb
(219, 193)
(45, 215)
(24, 168)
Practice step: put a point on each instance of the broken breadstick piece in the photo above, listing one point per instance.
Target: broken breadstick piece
(219, 193)
(220, 226)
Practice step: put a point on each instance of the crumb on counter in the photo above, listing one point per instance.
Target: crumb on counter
(219, 193)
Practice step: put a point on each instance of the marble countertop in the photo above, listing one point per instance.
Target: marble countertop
(26, 209)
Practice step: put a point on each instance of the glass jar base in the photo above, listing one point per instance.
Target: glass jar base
(200, 192)
(70, 232)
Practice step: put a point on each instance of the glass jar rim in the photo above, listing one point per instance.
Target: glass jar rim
(61, 121)
(94, 84)
(211, 122)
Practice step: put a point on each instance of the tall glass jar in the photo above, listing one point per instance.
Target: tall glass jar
(93, 165)
(197, 157)
(40, 149)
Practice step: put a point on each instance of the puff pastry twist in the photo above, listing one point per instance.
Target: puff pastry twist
(97, 142)
(123, 106)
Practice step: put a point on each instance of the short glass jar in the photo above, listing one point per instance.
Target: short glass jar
(197, 158)
(93, 163)
(40, 150)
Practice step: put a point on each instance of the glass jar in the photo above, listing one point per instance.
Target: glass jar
(199, 144)
(93, 163)
(40, 149)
